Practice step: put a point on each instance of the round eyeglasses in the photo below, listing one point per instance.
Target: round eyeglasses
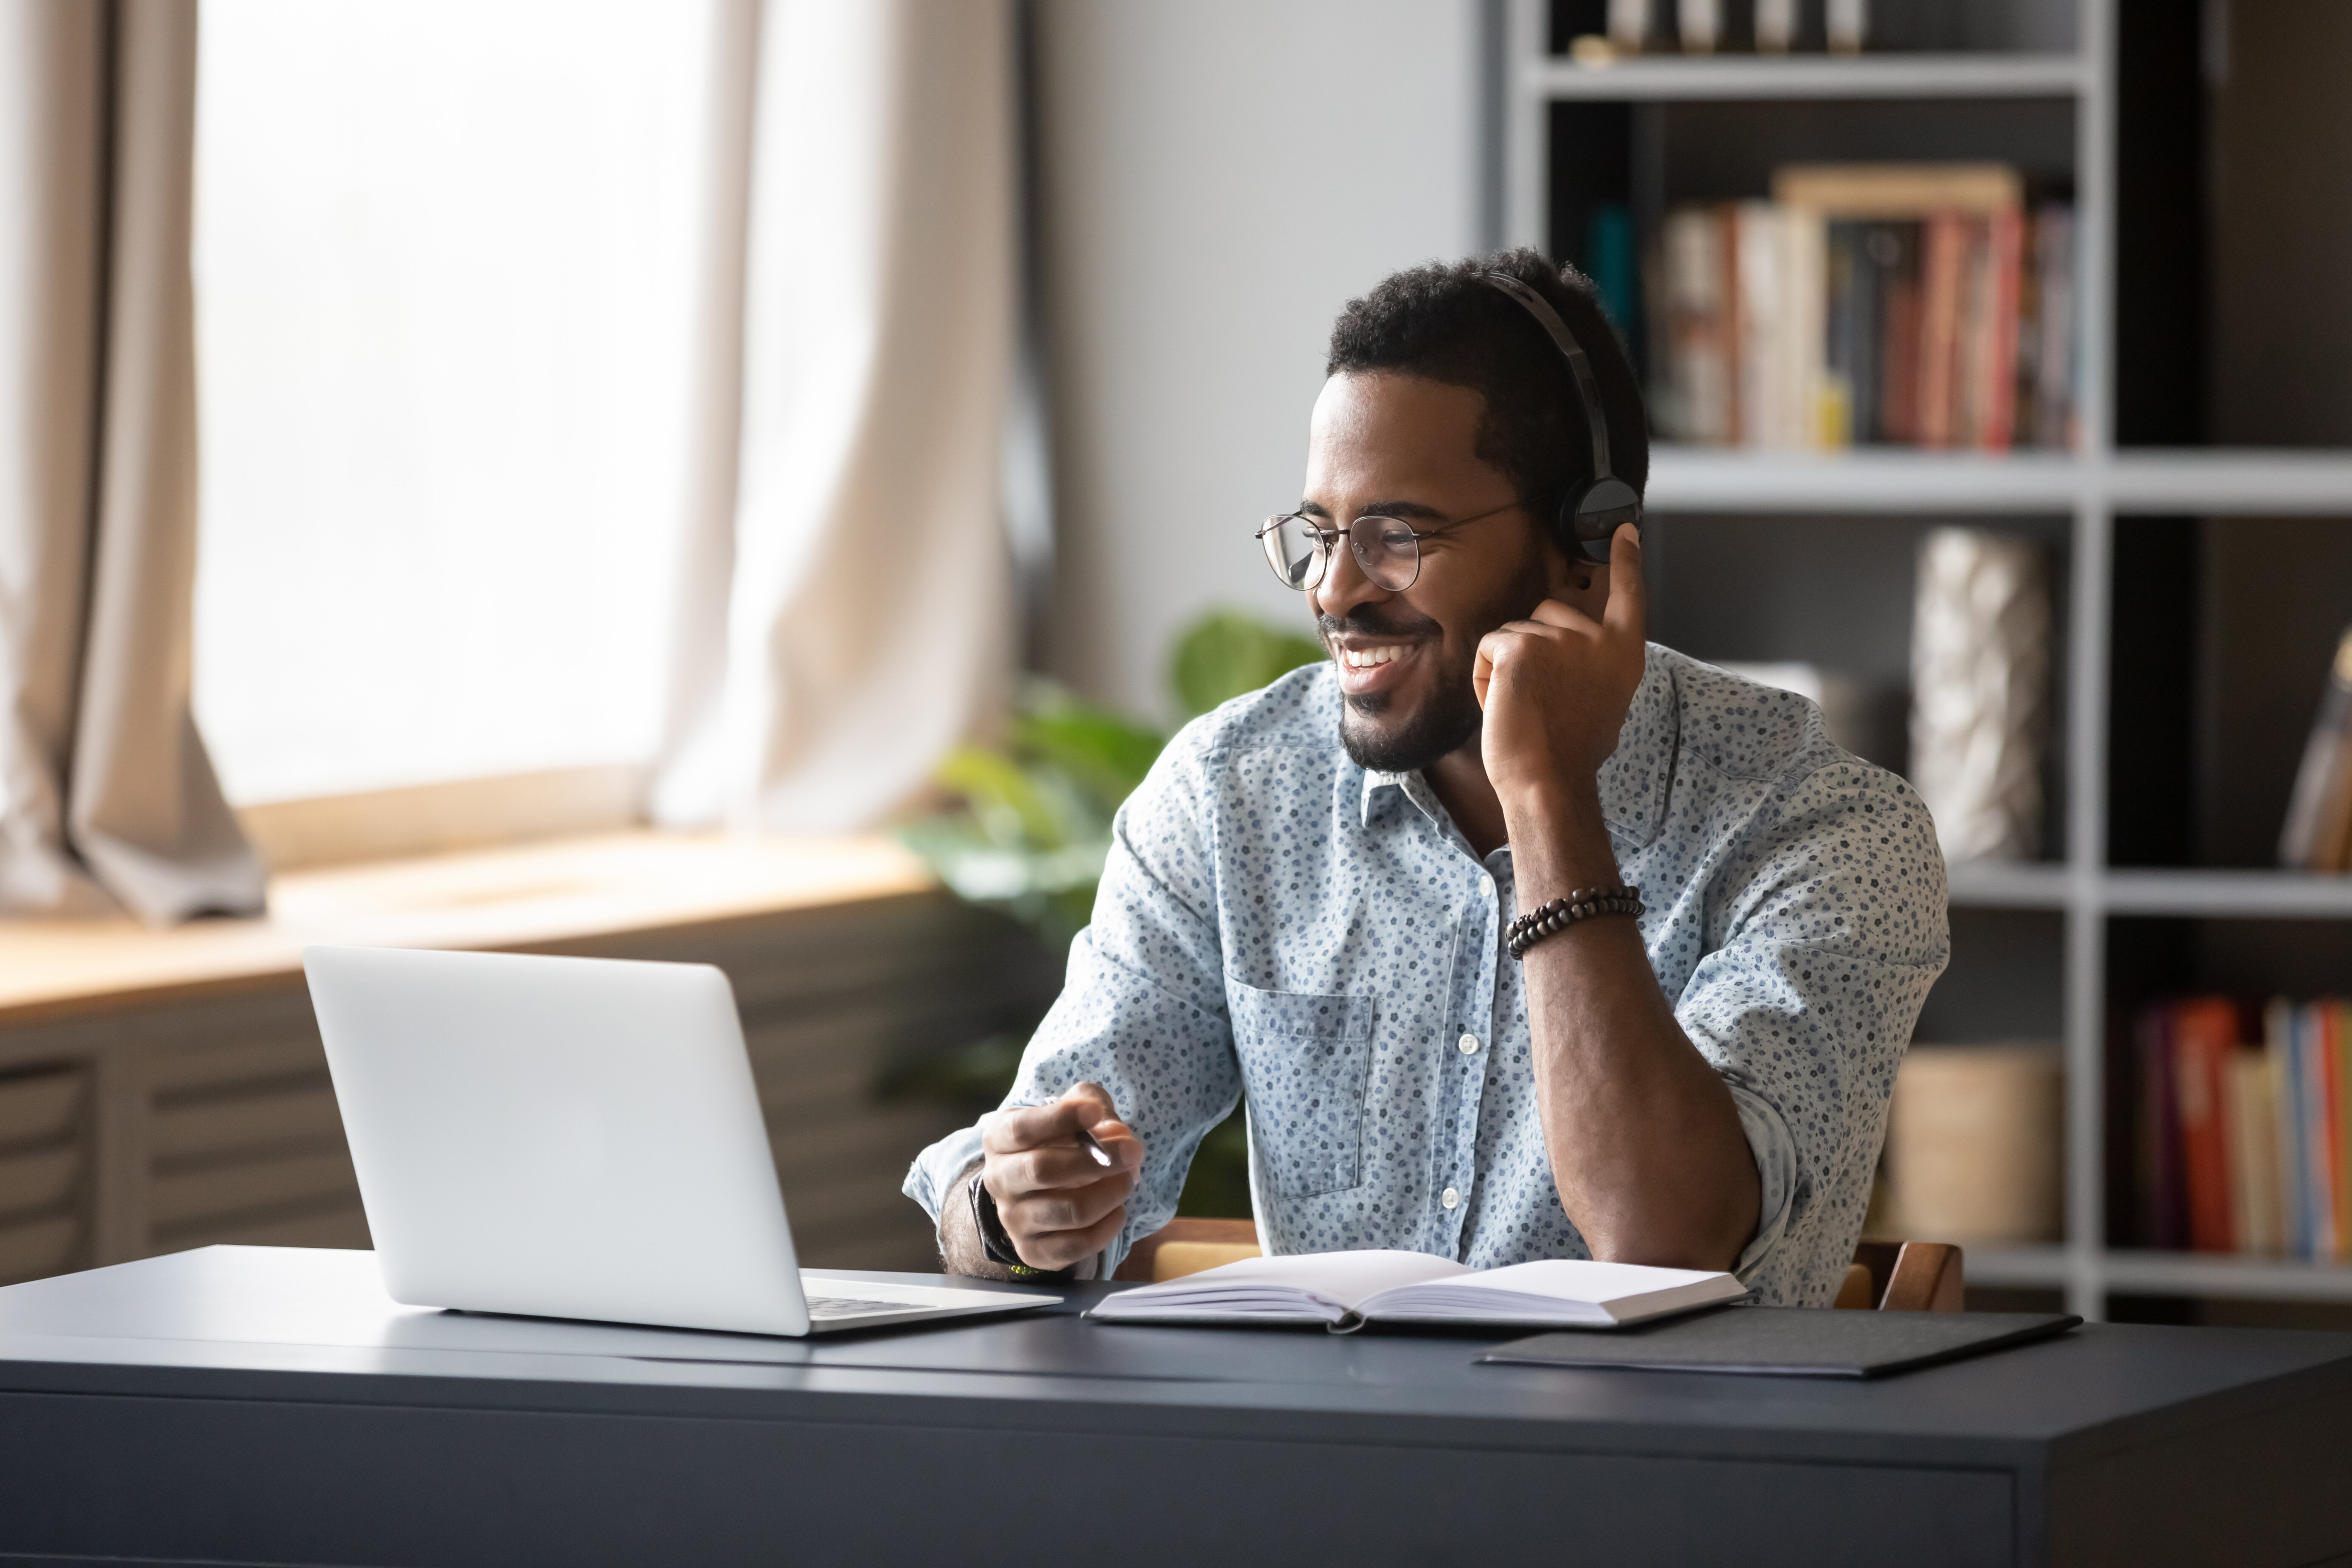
(1387, 549)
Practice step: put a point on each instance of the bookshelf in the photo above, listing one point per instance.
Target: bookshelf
(2110, 508)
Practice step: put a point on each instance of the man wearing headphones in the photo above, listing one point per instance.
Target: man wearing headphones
(1523, 937)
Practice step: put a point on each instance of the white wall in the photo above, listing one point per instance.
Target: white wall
(1219, 177)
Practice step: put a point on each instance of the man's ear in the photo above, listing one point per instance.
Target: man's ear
(1575, 581)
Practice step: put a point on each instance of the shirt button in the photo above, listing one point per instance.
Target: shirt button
(1469, 1044)
(1450, 1198)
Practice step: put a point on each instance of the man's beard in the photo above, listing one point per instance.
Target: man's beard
(1449, 716)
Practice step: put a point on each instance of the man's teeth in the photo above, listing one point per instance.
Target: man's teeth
(1365, 658)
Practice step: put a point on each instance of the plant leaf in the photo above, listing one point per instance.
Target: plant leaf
(1002, 796)
(1101, 753)
(1227, 653)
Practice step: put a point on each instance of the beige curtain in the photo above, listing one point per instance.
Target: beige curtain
(107, 798)
(848, 594)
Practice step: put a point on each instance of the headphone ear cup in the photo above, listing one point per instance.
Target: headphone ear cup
(1563, 528)
(1595, 513)
(1573, 528)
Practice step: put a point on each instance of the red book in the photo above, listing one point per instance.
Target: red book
(2204, 1035)
(1943, 256)
(1997, 419)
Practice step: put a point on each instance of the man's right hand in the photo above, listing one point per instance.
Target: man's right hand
(1057, 1203)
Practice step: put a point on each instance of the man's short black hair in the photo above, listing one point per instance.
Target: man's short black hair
(1437, 321)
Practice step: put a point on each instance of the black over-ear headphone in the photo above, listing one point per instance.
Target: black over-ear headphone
(1590, 514)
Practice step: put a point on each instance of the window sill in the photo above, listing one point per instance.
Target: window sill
(526, 895)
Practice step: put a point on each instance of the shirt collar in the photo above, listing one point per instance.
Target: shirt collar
(1632, 781)
(1411, 785)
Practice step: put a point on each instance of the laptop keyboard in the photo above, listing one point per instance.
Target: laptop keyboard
(854, 1307)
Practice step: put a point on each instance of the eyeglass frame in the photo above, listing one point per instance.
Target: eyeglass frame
(1326, 540)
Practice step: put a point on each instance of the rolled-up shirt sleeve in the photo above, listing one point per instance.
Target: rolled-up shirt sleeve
(1828, 926)
(1142, 1009)
(1776, 1176)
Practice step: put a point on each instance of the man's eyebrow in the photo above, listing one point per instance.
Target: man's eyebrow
(1402, 510)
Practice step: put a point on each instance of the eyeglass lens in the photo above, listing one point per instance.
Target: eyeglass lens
(1384, 548)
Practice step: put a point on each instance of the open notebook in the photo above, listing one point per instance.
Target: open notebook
(1344, 1291)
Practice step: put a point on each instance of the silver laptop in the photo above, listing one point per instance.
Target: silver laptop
(576, 1138)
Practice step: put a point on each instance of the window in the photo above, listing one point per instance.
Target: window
(445, 263)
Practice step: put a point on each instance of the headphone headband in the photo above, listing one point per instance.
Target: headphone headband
(1591, 514)
(1588, 389)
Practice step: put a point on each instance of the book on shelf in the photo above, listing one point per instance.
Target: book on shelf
(2157, 1146)
(2317, 835)
(2204, 1036)
(2241, 1126)
(1922, 304)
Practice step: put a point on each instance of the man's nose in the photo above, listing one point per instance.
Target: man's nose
(1344, 584)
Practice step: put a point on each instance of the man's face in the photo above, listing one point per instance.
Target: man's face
(1402, 446)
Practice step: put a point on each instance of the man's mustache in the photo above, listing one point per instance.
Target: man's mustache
(1371, 623)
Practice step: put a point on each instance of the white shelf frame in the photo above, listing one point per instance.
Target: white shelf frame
(2163, 1273)
(1685, 77)
(2098, 489)
(2141, 481)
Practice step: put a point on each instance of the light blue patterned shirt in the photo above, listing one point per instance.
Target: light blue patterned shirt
(1276, 920)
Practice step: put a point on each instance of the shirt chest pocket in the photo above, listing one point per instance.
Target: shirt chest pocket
(1305, 1060)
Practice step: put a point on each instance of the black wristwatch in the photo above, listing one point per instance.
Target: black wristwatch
(994, 1243)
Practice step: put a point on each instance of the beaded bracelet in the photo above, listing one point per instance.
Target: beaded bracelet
(1583, 904)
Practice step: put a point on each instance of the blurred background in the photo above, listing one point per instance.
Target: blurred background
(758, 481)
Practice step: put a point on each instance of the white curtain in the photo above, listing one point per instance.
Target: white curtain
(107, 797)
(847, 592)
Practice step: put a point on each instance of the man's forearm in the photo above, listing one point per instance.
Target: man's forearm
(960, 1249)
(1643, 1138)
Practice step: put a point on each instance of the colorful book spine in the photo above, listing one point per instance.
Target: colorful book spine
(1762, 350)
(1880, 304)
(2324, 1052)
(2055, 359)
(1809, 418)
(1943, 266)
(2279, 1036)
(2245, 1146)
(2316, 1099)
(2337, 1015)
(1996, 423)
(1896, 251)
(1845, 329)
(2162, 1221)
(1698, 328)
(2253, 1152)
(2204, 1038)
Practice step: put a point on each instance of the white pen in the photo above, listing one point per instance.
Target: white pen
(1095, 1151)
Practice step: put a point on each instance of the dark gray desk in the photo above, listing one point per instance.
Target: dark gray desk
(249, 1405)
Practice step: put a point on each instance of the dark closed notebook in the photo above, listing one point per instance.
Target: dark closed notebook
(1791, 1341)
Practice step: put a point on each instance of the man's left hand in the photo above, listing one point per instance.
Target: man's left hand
(1555, 688)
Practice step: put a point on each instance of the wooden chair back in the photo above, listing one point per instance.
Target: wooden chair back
(1902, 1277)
(1889, 1276)
(1184, 1246)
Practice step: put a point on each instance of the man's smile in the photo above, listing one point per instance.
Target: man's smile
(1366, 666)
